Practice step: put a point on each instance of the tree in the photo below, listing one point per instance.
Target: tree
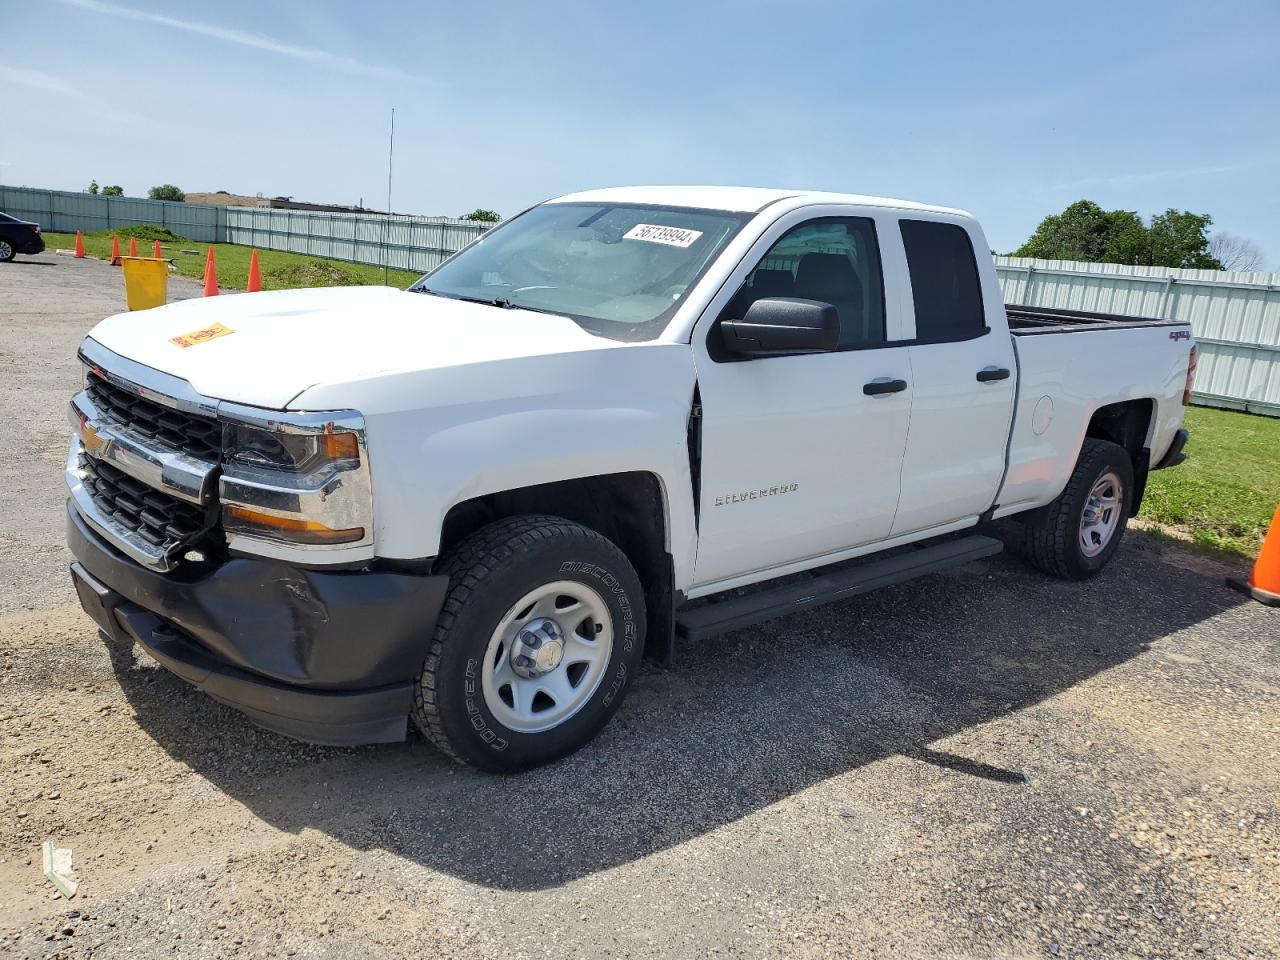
(92, 188)
(1177, 238)
(1084, 231)
(1087, 233)
(115, 190)
(480, 215)
(1235, 253)
(166, 191)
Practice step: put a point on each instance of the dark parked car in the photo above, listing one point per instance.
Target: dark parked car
(18, 236)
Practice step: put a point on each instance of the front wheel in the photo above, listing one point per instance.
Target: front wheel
(1077, 534)
(541, 633)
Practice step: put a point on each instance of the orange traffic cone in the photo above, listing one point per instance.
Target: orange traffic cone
(156, 254)
(115, 250)
(210, 275)
(255, 277)
(133, 246)
(79, 244)
(1264, 584)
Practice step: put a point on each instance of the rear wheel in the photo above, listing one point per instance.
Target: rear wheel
(6, 250)
(1078, 533)
(541, 634)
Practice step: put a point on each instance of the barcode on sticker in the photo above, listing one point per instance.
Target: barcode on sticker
(656, 233)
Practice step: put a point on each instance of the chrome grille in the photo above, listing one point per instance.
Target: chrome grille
(190, 433)
(165, 522)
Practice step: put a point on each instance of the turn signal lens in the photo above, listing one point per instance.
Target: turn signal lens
(340, 446)
(285, 529)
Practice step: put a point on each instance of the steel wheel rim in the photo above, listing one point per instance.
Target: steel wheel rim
(5, 249)
(534, 704)
(1101, 515)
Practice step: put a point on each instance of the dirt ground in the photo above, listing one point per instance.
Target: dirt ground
(983, 764)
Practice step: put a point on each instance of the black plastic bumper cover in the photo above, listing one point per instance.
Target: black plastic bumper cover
(323, 657)
(1174, 455)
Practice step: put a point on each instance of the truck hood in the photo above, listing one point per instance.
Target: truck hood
(264, 349)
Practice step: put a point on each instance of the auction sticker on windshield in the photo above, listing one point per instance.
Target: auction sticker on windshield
(657, 233)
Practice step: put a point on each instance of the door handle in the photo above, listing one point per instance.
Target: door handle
(988, 374)
(883, 385)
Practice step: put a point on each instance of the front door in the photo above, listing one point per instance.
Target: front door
(799, 460)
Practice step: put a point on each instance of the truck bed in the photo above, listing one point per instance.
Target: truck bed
(1028, 321)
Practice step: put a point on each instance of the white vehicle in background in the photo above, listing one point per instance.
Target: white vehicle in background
(479, 502)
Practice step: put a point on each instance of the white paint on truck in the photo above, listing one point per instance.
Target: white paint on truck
(480, 501)
(462, 400)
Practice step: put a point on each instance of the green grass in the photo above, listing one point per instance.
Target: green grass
(1225, 493)
(280, 271)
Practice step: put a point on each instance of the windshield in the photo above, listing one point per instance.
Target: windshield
(619, 270)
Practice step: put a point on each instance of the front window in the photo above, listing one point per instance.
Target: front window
(619, 270)
(833, 260)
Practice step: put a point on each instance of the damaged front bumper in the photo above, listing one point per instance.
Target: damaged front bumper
(326, 657)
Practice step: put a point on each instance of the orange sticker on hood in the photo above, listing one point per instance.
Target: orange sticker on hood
(200, 336)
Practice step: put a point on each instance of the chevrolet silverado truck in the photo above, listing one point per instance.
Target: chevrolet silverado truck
(620, 418)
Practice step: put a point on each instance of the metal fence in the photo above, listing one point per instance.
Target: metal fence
(66, 212)
(1235, 316)
(402, 243)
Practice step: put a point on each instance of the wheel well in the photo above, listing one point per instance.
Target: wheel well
(1127, 424)
(628, 508)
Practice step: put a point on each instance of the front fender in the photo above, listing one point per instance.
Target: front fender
(440, 437)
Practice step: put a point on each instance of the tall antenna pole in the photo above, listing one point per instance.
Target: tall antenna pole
(391, 152)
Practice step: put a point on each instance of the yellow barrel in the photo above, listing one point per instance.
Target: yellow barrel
(146, 282)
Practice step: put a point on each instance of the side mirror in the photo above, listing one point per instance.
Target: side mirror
(775, 326)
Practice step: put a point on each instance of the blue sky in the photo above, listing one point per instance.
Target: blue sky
(1009, 110)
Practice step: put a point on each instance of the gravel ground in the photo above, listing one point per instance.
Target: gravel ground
(987, 763)
(47, 304)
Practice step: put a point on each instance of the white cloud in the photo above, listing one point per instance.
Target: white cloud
(26, 77)
(1149, 176)
(252, 40)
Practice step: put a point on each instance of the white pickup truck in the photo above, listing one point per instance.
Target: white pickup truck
(619, 418)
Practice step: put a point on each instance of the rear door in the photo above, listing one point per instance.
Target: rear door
(962, 374)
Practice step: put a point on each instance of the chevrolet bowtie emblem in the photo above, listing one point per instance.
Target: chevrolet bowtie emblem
(95, 444)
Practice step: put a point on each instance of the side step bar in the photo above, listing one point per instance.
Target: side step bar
(710, 619)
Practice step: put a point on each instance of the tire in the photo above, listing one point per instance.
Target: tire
(6, 251)
(475, 697)
(1054, 538)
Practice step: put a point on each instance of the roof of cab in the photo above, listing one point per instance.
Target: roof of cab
(737, 199)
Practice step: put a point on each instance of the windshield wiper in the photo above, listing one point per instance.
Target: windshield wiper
(502, 302)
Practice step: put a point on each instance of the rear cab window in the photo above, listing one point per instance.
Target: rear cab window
(945, 286)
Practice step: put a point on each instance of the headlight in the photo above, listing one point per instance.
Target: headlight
(301, 480)
(291, 452)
